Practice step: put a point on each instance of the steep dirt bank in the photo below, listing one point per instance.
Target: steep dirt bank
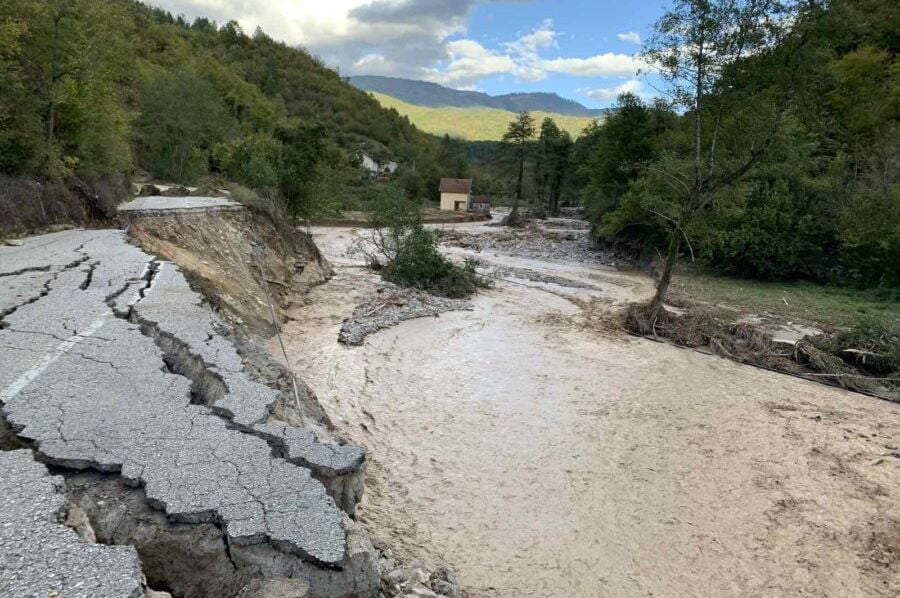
(235, 259)
(542, 454)
(27, 205)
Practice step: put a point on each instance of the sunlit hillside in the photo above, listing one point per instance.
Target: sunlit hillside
(473, 124)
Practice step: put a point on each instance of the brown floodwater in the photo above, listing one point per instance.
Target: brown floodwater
(541, 453)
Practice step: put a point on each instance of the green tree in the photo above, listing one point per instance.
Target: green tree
(68, 62)
(182, 118)
(692, 47)
(620, 147)
(552, 165)
(517, 141)
(302, 148)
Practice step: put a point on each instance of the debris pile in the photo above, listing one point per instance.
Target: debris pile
(414, 580)
(394, 304)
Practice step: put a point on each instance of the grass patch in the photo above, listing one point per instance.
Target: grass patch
(805, 302)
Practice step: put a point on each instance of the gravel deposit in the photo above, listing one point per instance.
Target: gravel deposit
(534, 243)
(393, 305)
(535, 276)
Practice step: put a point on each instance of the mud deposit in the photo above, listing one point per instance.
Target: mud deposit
(540, 455)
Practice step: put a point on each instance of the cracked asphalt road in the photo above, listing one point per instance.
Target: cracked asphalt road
(90, 328)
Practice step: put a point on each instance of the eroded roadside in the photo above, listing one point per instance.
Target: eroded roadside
(541, 453)
(121, 380)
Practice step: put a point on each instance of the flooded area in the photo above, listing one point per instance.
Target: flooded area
(540, 452)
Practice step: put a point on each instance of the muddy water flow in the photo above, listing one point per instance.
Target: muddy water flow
(543, 456)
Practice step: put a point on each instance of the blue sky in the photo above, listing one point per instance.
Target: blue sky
(582, 49)
(584, 28)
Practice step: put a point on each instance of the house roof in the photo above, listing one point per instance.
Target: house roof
(456, 186)
(481, 199)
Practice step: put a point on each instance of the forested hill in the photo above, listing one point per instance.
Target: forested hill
(432, 95)
(98, 87)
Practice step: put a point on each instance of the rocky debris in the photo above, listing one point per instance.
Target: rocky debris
(534, 276)
(566, 224)
(39, 556)
(96, 379)
(394, 304)
(415, 579)
(535, 243)
(275, 588)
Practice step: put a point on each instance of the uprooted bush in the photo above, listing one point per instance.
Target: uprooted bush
(406, 253)
(865, 358)
(873, 345)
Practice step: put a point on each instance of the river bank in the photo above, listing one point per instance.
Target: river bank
(541, 453)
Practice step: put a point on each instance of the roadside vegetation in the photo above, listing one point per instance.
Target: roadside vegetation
(95, 91)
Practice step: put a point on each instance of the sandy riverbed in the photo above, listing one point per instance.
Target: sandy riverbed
(542, 455)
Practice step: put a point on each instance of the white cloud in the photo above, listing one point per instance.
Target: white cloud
(469, 63)
(602, 65)
(630, 36)
(405, 38)
(528, 46)
(606, 94)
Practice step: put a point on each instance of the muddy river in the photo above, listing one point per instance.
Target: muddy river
(540, 452)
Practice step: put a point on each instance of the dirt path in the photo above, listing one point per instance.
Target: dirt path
(542, 456)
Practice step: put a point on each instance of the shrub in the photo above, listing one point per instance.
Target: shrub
(420, 265)
(407, 253)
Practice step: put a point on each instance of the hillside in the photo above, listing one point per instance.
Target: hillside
(473, 124)
(432, 95)
(96, 89)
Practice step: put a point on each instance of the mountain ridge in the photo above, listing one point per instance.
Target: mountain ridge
(432, 95)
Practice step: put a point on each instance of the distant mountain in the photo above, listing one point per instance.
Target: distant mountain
(432, 95)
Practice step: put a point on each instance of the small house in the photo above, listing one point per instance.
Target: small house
(366, 162)
(480, 204)
(456, 195)
(380, 171)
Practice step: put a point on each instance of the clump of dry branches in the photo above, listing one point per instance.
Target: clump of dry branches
(824, 357)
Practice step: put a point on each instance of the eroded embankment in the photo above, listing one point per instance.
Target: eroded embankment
(116, 367)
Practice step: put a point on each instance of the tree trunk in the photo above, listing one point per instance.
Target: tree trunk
(662, 287)
(519, 182)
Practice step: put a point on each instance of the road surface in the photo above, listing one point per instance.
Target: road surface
(110, 362)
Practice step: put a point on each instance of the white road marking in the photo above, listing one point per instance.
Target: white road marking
(47, 360)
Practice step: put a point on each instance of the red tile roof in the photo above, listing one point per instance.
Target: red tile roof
(463, 186)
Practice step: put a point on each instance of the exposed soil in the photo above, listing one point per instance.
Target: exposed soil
(230, 256)
(541, 452)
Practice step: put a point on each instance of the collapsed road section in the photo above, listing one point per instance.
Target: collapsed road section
(113, 365)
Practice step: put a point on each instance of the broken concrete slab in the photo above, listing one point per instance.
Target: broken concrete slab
(192, 334)
(157, 203)
(95, 386)
(39, 556)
